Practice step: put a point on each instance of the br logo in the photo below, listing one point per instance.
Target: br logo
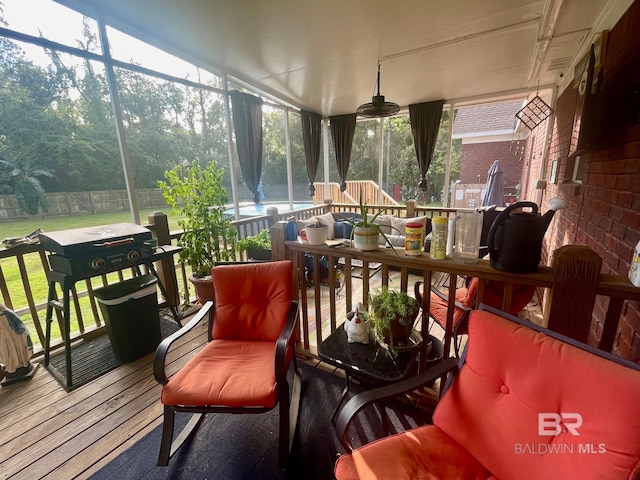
(552, 424)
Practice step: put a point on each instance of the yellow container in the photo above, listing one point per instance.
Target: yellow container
(439, 238)
(413, 238)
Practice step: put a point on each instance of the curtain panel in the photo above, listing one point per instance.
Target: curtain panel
(425, 123)
(247, 125)
(343, 128)
(311, 133)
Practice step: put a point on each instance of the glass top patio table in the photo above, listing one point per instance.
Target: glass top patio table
(372, 362)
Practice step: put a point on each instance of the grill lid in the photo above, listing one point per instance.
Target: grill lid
(88, 240)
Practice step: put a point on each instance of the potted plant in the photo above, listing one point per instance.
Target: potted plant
(316, 233)
(197, 195)
(258, 247)
(365, 231)
(393, 315)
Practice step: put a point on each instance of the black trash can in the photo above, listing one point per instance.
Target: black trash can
(130, 310)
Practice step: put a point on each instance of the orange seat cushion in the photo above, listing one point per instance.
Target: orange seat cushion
(438, 309)
(420, 453)
(226, 372)
(492, 296)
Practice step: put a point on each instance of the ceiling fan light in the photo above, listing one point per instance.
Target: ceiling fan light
(378, 107)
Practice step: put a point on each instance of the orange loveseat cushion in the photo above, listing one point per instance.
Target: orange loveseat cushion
(488, 421)
(511, 375)
(249, 304)
(224, 372)
(421, 453)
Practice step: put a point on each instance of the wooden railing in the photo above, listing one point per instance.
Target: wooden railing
(30, 263)
(569, 281)
(369, 189)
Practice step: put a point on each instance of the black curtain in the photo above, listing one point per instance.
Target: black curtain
(425, 123)
(311, 132)
(247, 124)
(343, 127)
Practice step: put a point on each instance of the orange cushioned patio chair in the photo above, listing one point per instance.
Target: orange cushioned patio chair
(523, 403)
(243, 368)
(466, 300)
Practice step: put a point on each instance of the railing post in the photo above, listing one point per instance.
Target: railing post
(278, 251)
(411, 208)
(273, 215)
(165, 267)
(569, 307)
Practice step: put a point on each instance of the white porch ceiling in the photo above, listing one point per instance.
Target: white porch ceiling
(322, 55)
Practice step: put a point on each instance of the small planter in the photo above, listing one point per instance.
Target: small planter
(316, 234)
(258, 253)
(365, 238)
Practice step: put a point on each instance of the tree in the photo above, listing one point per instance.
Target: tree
(26, 186)
(404, 169)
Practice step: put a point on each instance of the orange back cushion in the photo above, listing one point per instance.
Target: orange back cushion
(513, 375)
(252, 300)
(494, 293)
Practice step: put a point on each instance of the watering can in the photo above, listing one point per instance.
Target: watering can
(515, 238)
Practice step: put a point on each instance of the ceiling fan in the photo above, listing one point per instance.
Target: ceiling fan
(378, 107)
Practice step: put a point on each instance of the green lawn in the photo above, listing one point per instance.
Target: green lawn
(25, 227)
(37, 278)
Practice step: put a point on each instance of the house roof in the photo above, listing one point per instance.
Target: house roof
(487, 119)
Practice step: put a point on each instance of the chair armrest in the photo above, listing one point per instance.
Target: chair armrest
(353, 406)
(163, 348)
(284, 340)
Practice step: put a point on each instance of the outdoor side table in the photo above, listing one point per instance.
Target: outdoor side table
(371, 364)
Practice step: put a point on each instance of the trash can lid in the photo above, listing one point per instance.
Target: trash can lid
(135, 287)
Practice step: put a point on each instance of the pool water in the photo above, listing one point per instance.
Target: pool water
(253, 210)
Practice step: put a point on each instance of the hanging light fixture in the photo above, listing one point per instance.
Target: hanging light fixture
(378, 107)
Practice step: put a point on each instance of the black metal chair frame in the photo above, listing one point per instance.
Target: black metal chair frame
(288, 407)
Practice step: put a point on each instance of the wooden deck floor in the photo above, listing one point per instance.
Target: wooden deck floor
(48, 433)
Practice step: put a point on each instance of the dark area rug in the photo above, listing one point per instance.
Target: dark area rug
(93, 358)
(238, 447)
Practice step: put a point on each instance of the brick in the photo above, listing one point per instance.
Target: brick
(632, 166)
(623, 182)
(631, 219)
(605, 224)
(625, 199)
(616, 213)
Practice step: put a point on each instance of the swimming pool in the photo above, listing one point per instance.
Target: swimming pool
(252, 210)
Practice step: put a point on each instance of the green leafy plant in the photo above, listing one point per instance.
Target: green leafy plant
(25, 184)
(365, 222)
(197, 195)
(391, 309)
(261, 240)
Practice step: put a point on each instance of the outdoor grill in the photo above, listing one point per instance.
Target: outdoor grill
(90, 251)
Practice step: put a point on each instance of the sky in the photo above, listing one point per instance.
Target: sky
(63, 25)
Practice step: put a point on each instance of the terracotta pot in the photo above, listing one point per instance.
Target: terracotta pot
(203, 287)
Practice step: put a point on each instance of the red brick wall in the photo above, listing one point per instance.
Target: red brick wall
(477, 158)
(603, 213)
